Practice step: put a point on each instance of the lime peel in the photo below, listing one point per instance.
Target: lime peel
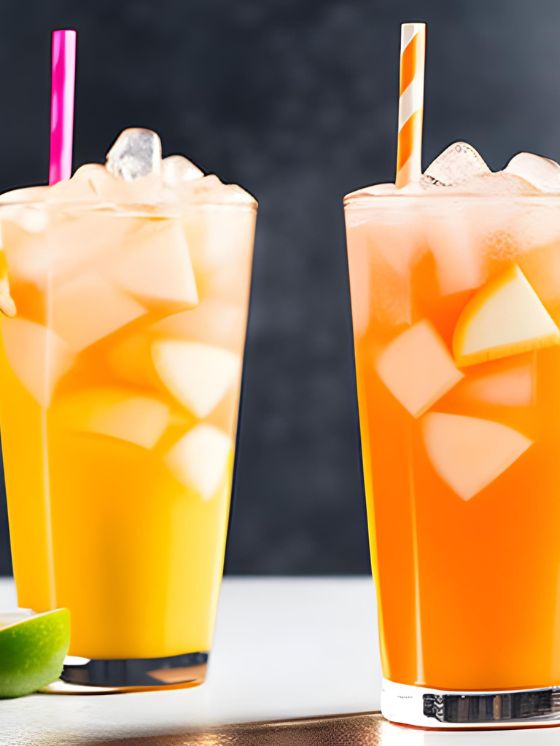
(32, 650)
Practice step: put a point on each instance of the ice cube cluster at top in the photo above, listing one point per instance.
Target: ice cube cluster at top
(135, 172)
(461, 169)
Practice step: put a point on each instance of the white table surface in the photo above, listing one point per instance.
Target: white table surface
(284, 648)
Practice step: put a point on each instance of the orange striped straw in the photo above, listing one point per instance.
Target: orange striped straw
(411, 103)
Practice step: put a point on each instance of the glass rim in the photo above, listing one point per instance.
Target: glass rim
(153, 209)
(353, 201)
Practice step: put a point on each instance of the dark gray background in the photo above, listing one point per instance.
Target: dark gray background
(297, 101)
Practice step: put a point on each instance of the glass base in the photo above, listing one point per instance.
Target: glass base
(435, 708)
(135, 673)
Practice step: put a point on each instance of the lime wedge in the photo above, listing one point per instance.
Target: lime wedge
(32, 650)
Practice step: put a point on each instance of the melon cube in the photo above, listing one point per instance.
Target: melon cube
(504, 318)
(199, 459)
(197, 375)
(508, 386)
(417, 368)
(157, 268)
(37, 356)
(88, 308)
(214, 322)
(469, 453)
(116, 413)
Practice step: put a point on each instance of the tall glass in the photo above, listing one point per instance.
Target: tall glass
(119, 397)
(455, 304)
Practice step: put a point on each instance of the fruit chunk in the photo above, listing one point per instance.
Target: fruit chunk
(89, 308)
(141, 420)
(158, 266)
(213, 322)
(504, 318)
(198, 375)
(32, 651)
(37, 356)
(510, 386)
(417, 368)
(199, 459)
(469, 453)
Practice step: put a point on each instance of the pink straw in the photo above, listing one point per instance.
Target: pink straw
(62, 104)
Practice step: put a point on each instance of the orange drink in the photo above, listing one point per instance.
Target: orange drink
(456, 313)
(120, 386)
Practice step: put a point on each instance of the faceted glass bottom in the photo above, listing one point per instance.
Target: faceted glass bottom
(133, 673)
(435, 708)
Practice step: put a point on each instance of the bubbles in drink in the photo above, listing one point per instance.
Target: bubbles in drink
(135, 153)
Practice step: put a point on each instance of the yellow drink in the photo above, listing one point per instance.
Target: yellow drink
(120, 387)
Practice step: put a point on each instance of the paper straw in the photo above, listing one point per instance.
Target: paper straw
(411, 103)
(62, 104)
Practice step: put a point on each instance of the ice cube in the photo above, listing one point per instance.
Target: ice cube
(216, 241)
(500, 184)
(541, 267)
(37, 356)
(198, 375)
(542, 173)
(417, 368)
(469, 453)
(458, 257)
(116, 413)
(75, 240)
(390, 295)
(209, 189)
(384, 251)
(359, 272)
(176, 169)
(213, 322)
(458, 163)
(26, 208)
(89, 182)
(88, 308)
(397, 239)
(135, 153)
(157, 267)
(199, 459)
(509, 384)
